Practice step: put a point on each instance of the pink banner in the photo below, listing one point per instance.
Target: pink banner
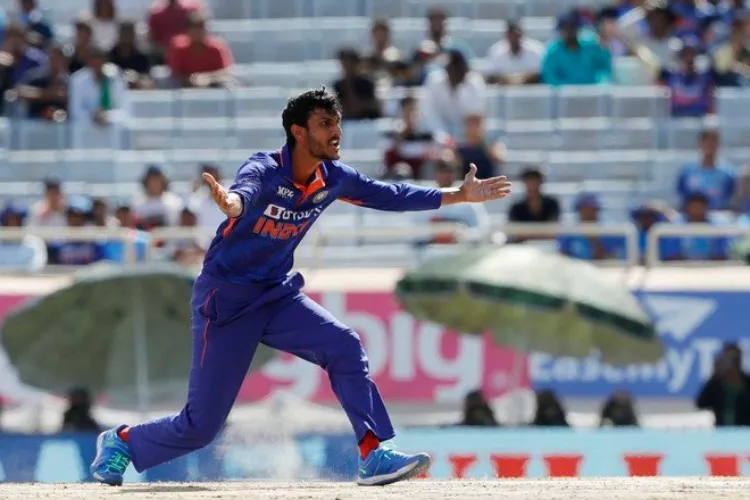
(411, 361)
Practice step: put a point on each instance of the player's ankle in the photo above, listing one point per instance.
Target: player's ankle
(124, 434)
(368, 444)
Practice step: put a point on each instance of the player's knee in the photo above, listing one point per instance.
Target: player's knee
(201, 432)
(351, 354)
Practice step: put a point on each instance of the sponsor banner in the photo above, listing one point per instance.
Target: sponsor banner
(414, 361)
(409, 360)
(457, 452)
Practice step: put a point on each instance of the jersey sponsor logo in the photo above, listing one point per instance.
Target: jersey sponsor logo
(280, 213)
(277, 230)
(320, 196)
(284, 193)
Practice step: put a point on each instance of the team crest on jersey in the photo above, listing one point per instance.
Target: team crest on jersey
(285, 193)
(320, 196)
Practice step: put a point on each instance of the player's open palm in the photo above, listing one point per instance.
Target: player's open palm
(227, 203)
(479, 190)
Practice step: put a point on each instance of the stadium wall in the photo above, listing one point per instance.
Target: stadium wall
(459, 453)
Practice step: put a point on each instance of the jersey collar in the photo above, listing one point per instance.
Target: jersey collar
(315, 184)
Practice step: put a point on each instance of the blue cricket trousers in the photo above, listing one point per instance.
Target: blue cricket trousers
(229, 320)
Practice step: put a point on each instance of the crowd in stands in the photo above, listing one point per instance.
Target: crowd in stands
(726, 394)
(690, 46)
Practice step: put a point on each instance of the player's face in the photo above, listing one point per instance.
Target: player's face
(324, 135)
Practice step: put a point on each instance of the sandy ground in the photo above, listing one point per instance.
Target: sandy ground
(556, 489)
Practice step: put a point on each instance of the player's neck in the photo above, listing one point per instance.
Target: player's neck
(303, 165)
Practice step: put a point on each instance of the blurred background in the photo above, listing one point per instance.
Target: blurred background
(623, 125)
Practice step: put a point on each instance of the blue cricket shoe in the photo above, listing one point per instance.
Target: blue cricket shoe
(112, 458)
(385, 466)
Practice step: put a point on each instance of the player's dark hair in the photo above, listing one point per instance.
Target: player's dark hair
(298, 110)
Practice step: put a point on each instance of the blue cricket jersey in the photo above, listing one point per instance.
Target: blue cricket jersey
(258, 246)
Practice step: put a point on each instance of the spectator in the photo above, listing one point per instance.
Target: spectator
(694, 17)
(29, 252)
(380, 62)
(727, 392)
(198, 59)
(78, 52)
(477, 411)
(575, 58)
(437, 32)
(516, 60)
(355, 90)
(549, 410)
(100, 216)
(47, 95)
(649, 33)
(77, 417)
(446, 170)
(74, 252)
(49, 212)
(618, 411)
(98, 93)
(606, 27)
(469, 215)
(104, 23)
(208, 215)
(477, 150)
(399, 172)
(536, 206)
(586, 247)
(19, 62)
(691, 87)
(710, 175)
(732, 59)
(132, 62)
(416, 72)
(124, 216)
(644, 217)
(117, 251)
(37, 26)
(452, 95)
(409, 142)
(695, 211)
(166, 20)
(188, 251)
(157, 206)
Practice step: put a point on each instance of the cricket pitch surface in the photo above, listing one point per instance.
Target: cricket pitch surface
(656, 488)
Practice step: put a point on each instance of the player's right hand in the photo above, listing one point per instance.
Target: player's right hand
(229, 203)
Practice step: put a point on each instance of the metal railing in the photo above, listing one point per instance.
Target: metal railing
(663, 230)
(359, 237)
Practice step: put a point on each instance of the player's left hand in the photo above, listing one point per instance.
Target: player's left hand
(478, 190)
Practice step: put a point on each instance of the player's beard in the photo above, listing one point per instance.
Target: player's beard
(321, 150)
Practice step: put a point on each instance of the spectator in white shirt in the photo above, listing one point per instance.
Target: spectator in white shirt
(49, 212)
(105, 23)
(97, 92)
(157, 206)
(516, 60)
(454, 94)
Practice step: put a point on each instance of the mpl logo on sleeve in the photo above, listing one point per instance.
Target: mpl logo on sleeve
(284, 193)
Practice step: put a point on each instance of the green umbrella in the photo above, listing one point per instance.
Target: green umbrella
(532, 300)
(121, 331)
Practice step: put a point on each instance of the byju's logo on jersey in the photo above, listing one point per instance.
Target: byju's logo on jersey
(284, 193)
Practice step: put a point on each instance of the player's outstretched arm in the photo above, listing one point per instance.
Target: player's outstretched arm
(229, 203)
(475, 190)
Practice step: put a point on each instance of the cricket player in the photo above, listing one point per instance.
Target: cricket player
(247, 294)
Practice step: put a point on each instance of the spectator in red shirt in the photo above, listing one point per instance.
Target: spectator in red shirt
(198, 59)
(166, 20)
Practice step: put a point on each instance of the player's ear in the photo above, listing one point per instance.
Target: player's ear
(298, 132)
